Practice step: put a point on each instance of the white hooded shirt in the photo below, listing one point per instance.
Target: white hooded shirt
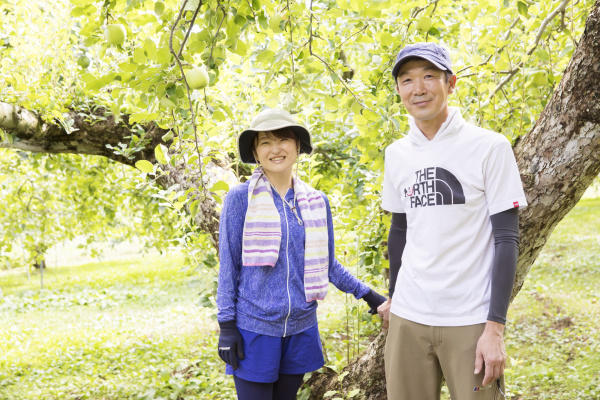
(448, 187)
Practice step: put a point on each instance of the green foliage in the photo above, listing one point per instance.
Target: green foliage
(127, 329)
(56, 198)
(328, 62)
(553, 340)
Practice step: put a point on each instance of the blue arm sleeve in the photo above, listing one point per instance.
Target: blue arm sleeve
(231, 227)
(396, 244)
(505, 226)
(338, 275)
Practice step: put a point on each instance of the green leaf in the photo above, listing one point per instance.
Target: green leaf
(165, 102)
(353, 393)
(99, 83)
(331, 104)
(159, 8)
(144, 19)
(160, 155)
(128, 67)
(342, 376)
(265, 56)
(523, 8)
(194, 208)
(370, 115)
(220, 186)
(142, 117)
(329, 393)
(139, 56)
(192, 5)
(88, 9)
(145, 166)
(150, 49)
(241, 49)
(163, 55)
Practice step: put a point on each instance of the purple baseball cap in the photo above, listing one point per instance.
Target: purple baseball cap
(432, 52)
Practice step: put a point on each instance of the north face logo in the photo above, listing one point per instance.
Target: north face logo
(434, 186)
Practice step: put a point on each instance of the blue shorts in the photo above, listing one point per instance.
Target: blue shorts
(265, 357)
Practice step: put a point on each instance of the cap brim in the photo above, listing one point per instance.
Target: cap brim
(404, 59)
(247, 136)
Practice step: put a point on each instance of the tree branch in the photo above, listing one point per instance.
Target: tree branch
(189, 95)
(189, 31)
(328, 67)
(26, 131)
(94, 130)
(491, 55)
(538, 37)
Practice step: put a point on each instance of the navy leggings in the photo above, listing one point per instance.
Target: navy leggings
(285, 388)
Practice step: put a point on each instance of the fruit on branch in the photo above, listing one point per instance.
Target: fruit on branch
(197, 78)
(83, 61)
(115, 34)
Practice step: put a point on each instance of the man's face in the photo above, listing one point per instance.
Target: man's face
(424, 90)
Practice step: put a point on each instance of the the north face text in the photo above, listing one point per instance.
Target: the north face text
(434, 186)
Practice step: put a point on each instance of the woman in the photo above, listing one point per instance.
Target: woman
(276, 247)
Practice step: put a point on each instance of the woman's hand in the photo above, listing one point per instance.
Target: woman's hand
(374, 300)
(231, 344)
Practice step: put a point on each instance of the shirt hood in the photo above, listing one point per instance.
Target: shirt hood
(452, 125)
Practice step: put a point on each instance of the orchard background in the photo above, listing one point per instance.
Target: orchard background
(79, 107)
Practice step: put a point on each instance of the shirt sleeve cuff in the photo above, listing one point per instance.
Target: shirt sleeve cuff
(519, 203)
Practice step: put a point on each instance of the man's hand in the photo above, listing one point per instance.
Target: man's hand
(384, 312)
(491, 351)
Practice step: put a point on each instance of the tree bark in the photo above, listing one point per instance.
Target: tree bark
(558, 160)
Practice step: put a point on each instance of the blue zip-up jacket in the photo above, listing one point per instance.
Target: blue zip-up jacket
(270, 300)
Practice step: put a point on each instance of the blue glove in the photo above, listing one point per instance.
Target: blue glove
(374, 300)
(230, 343)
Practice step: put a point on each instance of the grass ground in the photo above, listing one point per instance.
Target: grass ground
(109, 330)
(132, 329)
(553, 337)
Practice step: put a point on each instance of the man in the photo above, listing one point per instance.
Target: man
(454, 192)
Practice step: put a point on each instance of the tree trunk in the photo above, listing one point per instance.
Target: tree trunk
(558, 160)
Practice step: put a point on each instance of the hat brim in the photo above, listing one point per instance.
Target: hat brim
(404, 59)
(247, 136)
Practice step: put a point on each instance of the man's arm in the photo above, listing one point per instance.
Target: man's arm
(396, 244)
(490, 347)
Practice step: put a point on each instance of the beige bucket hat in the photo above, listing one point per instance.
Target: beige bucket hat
(270, 120)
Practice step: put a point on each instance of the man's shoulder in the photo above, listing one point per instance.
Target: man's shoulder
(398, 144)
(483, 135)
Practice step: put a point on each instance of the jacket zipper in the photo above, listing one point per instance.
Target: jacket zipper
(287, 255)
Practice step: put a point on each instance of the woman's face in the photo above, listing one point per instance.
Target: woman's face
(276, 155)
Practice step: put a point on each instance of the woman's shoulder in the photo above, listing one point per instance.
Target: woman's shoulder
(239, 189)
(238, 192)
(323, 196)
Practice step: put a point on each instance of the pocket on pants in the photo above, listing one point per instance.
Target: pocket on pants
(492, 391)
(498, 391)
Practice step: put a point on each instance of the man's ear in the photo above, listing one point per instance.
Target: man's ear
(452, 83)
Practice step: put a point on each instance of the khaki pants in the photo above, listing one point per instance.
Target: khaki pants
(418, 358)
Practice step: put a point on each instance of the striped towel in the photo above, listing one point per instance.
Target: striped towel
(262, 232)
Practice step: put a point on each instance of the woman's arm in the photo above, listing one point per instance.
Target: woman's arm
(344, 280)
(338, 275)
(231, 228)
